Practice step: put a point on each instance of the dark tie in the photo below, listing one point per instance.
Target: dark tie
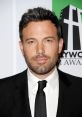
(40, 101)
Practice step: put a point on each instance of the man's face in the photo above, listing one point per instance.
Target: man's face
(40, 46)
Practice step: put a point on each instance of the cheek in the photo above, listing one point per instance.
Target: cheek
(29, 52)
(53, 50)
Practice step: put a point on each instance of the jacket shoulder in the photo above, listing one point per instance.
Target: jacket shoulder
(70, 78)
(13, 78)
(8, 85)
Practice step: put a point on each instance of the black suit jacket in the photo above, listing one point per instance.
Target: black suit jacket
(14, 101)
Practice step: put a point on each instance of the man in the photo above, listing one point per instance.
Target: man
(41, 45)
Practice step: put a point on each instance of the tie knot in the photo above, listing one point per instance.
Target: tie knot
(42, 84)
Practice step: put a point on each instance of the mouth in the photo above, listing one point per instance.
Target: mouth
(41, 59)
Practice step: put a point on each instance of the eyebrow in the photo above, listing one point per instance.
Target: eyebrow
(29, 39)
(53, 37)
(32, 38)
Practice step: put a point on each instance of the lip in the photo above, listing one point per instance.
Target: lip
(41, 60)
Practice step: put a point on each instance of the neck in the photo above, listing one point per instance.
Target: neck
(42, 76)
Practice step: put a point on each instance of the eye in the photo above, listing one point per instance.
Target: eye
(48, 40)
(30, 41)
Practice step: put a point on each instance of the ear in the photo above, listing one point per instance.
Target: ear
(61, 45)
(21, 46)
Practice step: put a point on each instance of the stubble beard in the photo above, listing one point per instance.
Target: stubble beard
(41, 69)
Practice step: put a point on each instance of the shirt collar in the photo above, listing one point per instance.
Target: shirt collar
(52, 79)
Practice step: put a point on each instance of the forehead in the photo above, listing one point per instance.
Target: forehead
(39, 28)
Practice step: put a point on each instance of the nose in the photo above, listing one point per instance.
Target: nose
(40, 48)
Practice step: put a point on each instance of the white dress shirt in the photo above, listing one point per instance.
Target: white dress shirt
(51, 91)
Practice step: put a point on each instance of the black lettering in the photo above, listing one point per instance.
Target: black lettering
(73, 54)
(80, 54)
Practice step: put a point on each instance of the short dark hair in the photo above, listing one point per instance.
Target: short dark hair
(38, 14)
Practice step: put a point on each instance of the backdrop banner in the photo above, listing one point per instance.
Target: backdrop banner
(70, 14)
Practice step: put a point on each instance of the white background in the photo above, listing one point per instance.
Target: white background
(11, 59)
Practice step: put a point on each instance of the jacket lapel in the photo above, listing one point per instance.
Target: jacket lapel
(21, 96)
(64, 83)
